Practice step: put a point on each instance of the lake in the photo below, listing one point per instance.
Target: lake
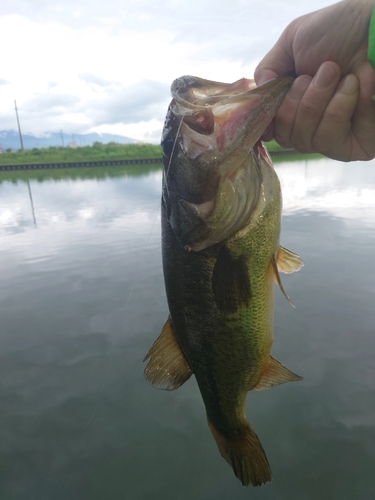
(82, 300)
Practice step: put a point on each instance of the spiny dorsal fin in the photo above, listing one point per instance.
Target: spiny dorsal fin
(167, 368)
(276, 277)
(287, 261)
(275, 373)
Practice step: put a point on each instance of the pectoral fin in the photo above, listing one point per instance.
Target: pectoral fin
(276, 277)
(287, 261)
(167, 368)
(274, 374)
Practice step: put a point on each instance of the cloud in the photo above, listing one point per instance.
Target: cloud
(51, 103)
(46, 113)
(110, 64)
(138, 109)
(144, 101)
(22, 6)
(153, 137)
(96, 80)
(144, 131)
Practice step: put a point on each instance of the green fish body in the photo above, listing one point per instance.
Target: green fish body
(221, 216)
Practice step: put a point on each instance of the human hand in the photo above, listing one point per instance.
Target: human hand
(329, 107)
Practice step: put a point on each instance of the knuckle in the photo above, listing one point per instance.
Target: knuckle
(282, 140)
(335, 115)
(308, 106)
(323, 149)
(322, 137)
(302, 146)
(301, 140)
(305, 150)
(330, 146)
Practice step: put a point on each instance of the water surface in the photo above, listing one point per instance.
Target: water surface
(82, 300)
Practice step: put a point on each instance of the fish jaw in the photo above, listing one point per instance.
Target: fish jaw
(211, 172)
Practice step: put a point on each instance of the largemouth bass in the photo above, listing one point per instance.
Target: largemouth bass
(221, 215)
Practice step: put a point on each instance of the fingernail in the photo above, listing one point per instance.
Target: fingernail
(349, 85)
(325, 76)
(262, 76)
(299, 87)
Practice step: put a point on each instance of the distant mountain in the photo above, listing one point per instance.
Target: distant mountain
(10, 139)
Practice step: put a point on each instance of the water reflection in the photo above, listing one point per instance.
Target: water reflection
(57, 203)
(342, 190)
(82, 299)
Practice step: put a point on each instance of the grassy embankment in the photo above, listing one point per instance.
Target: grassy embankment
(97, 152)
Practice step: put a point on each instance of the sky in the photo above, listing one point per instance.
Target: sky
(106, 66)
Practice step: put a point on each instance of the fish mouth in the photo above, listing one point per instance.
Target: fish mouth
(219, 127)
(217, 118)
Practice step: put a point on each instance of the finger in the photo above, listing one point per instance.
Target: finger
(269, 133)
(312, 106)
(286, 115)
(333, 137)
(262, 75)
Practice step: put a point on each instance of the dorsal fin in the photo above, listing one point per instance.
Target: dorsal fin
(287, 261)
(167, 368)
(274, 374)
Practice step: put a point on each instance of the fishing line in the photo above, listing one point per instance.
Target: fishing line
(175, 142)
(173, 148)
(221, 96)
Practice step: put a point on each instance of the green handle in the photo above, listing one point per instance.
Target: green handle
(371, 40)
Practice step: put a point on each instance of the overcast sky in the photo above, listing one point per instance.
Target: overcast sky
(106, 65)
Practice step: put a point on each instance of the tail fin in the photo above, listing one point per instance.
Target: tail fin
(245, 454)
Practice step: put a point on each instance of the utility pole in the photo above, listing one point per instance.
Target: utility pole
(19, 127)
(62, 138)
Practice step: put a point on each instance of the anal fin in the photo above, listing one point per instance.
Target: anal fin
(167, 367)
(275, 374)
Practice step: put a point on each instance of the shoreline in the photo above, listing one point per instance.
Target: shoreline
(109, 163)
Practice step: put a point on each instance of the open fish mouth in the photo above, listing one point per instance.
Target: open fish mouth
(216, 115)
(213, 168)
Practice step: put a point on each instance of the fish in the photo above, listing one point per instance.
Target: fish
(221, 217)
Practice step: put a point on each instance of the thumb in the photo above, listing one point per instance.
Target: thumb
(278, 61)
(262, 75)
